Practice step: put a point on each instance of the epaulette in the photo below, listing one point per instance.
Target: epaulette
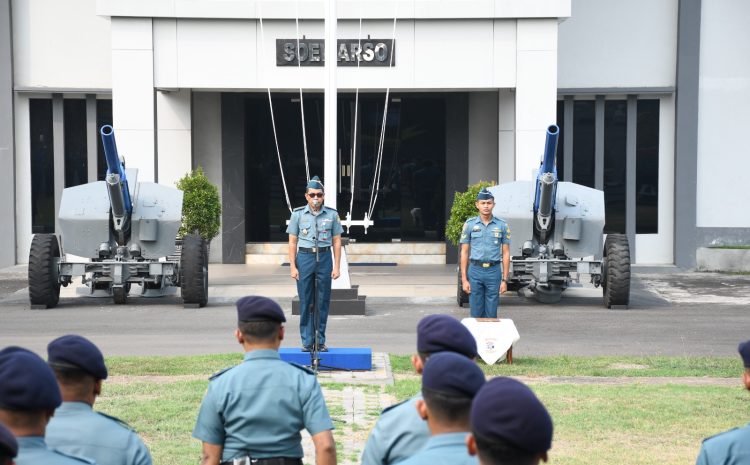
(302, 367)
(394, 406)
(74, 457)
(220, 372)
(117, 420)
(331, 209)
(299, 208)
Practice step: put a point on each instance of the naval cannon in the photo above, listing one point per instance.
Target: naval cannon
(121, 232)
(557, 229)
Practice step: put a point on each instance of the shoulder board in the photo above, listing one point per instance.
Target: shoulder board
(471, 218)
(74, 457)
(219, 373)
(116, 420)
(299, 208)
(719, 434)
(395, 405)
(302, 367)
(331, 209)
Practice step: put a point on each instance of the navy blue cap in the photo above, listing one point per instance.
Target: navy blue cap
(484, 194)
(744, 350)
(8, 443)
(257, 308)
(28, 383)
(452, 373)
(507, 409)
(73, 351)
(315, 183)
(440, 333)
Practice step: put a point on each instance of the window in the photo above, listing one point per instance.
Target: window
(583, 142)
(74, 124)
(42, 167)
(103, 116)
(647, 168)
(615, 160)
(559, 157)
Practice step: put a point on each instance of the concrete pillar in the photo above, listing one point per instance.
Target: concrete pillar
(207, 149)
(536, 91)
(482, 141)
(174, 136)
(133, 93)
(506, 136)
(7, 157)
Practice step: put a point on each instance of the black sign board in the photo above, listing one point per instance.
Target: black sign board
(373, 52)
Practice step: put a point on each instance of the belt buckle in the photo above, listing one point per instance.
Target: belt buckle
(485, 265)
(242, 461)
(313, 249)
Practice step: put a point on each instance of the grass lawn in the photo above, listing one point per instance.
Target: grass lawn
(634, 423)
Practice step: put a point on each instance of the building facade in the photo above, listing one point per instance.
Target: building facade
(432, 96)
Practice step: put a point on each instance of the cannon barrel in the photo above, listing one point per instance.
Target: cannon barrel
(550, 150)
(121, 203)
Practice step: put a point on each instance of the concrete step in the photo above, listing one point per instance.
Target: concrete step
(401, 253)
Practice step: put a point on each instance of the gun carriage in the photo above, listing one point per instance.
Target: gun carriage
(557, 236)
(121, 232)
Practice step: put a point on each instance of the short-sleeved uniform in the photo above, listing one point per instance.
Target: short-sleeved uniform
(444, 449)
(728, 448)
(77, 429)
(259, 407)
(314, 231)
(485, 263)
(398, 434)
(32, 450)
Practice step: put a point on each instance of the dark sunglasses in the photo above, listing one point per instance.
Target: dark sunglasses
(315, 194)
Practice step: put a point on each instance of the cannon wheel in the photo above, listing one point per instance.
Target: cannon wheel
(44, 283)
(461, 297)
(194, 271)
(616, 271)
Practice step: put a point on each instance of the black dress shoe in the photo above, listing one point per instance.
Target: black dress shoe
(323, 348)
(306, 349)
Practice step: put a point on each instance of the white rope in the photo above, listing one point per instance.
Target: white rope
(301, 101)
(379, 164)
(273, 120)
(354, 128)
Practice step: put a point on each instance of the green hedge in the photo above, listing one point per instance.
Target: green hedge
(201, 205)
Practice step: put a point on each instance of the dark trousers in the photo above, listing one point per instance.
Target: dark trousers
(485, 290)
(308, 269)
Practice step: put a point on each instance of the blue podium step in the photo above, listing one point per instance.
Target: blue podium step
(343, 358)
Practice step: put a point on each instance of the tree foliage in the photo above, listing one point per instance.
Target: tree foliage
(463, 208)
(201, 205)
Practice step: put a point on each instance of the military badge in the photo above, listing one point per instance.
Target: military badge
(476, 228)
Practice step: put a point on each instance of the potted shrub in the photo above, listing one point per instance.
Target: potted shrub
(201, 206)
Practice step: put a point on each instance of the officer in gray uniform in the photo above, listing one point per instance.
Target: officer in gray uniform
(76, 428)
(733, 446)
(8, 446)
(509, 424)
(400, 432)
(28, 398)
(449, 383)
(313, 230)
(482, 239)
(254, 412)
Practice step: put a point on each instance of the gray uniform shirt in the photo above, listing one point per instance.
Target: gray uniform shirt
(78, 430)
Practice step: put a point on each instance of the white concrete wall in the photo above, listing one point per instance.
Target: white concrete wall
(174, 136)
(434, 54)
(61, 44)
(615, 43)
(724, 107)
(23, 177)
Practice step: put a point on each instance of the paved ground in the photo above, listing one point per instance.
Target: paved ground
(672, 313)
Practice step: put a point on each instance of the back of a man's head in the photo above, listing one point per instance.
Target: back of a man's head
(509, 425)
(259, 320)
(449, 383)
(441, 333)
(259, 332)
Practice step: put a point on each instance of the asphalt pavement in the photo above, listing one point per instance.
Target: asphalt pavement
(672, 312)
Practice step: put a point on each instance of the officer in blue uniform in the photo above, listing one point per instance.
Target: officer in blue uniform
(313, 230)
(254, 412)
(482, 239)
(76, 428)
(733, 446)
(29, 396)
(509, 424)
(400, 432)
(449, 383)
(8, 446)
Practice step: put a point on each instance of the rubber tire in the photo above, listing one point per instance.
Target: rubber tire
(461, 297)
(616, 271)
(194, 271)
(44, 282)
(120, 294)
